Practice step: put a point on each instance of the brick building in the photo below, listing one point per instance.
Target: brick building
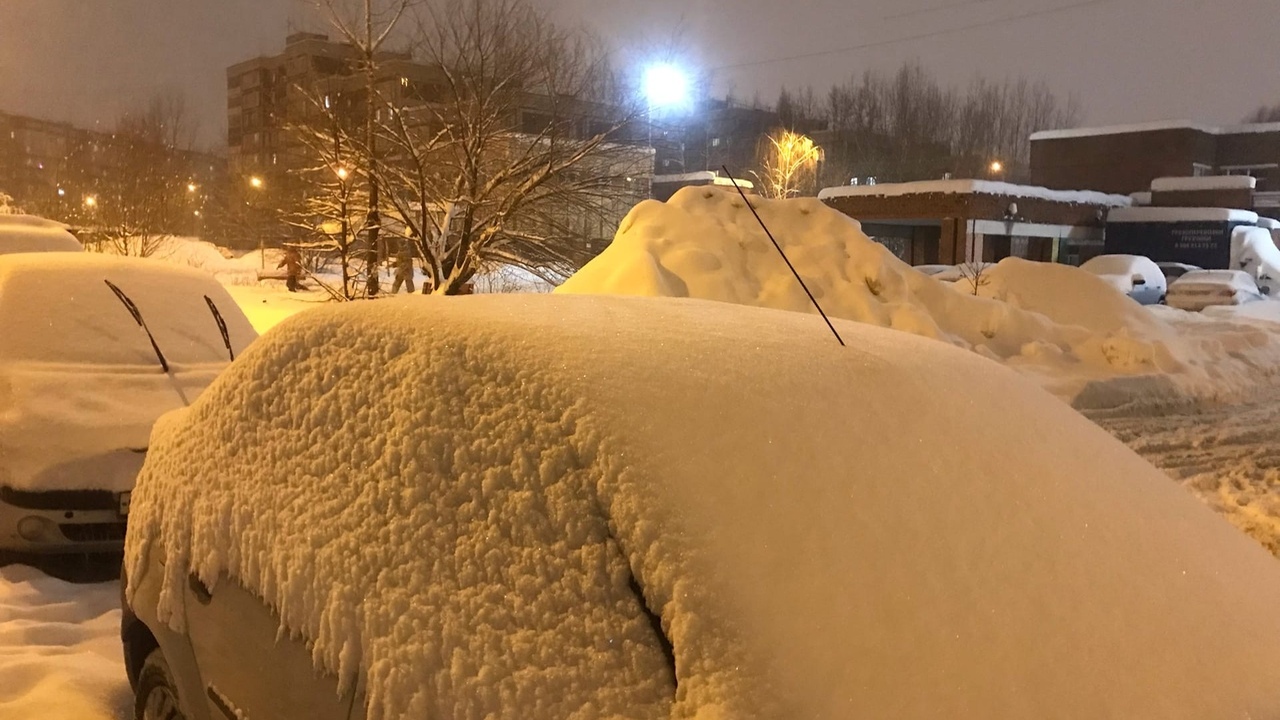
(1126, 159)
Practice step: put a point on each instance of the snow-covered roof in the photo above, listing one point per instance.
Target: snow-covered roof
(1141, 198)
(1269, 223)
(974, 187)
(470, 541)
(703, 176)
(1196, 184)
(1156, 126)
(1180, 215)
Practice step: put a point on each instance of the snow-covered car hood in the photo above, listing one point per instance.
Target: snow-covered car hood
(465, 505)
(81, 427)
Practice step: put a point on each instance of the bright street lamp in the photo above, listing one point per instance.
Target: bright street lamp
(665, 86)
(997, 167)
(90, 202)
(343, 173)
(191, 187)
(255, 182)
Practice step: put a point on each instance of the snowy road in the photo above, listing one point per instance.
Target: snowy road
(1228, 455)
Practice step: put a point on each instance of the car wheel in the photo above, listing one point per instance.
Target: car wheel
(157, 696)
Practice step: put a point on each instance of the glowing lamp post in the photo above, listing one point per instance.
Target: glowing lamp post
(665, 87)
(256, 183)
(997, 167)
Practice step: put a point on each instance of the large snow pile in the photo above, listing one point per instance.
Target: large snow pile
(814, 544)
(60, 656)
(1254, 251)
(202, 255)
(28, 233)
(80, 381)
(1065, 325)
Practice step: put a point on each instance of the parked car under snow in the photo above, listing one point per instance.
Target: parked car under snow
(28, 233)
(571, 506)
(1134, 275)
(1200, 289)
(81, 384)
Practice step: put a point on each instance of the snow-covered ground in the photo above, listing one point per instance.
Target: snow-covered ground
(60, 653)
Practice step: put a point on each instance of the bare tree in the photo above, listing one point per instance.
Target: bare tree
(369, 32)
(519, 156)
(975, 274)
(1265, 114)
(790, 164)
(143, 200)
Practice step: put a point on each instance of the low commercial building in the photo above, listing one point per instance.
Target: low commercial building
(664, 186)
(1127, 158)
(958, 221)
(1193, 235)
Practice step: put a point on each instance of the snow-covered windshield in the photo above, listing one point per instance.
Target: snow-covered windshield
(58, 308)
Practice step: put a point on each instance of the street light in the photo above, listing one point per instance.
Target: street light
(255, 182)
(90, 202)
(191, 187)
(665, 86)
(997, 167)
(343, 173)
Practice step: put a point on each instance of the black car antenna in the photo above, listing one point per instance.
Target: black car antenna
(222, 326)
(137, 317)
(778, 247)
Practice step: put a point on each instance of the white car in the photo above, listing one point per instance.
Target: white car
(82, 380)
(1200, 289)
(28, 233)
(1133, 275)
(561, 506)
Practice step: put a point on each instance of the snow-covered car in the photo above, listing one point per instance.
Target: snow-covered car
(82, 382)
(28, 233)
(1200, 289)
(1174, 270)
(570, 506)
(1133, 275)
(934, 270)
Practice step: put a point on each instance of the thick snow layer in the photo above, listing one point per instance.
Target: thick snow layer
(1065, 326)
(975, 187)
(267, 306)
(1154, 126)
(1254, 251)
(27, 233)
(703, 176)
(60, 655)
(815, 545)
(1180, 215)
(1197, 184)
(1269, 223)
(80, 381)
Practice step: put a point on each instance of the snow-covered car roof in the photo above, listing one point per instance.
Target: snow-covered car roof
(450, 496)
(1225, 279)
(57, 307)
(1123, 265)
(28, 233)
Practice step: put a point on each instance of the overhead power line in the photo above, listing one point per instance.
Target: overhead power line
(920, 36)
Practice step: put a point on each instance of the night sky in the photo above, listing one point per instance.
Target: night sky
(1127, 60)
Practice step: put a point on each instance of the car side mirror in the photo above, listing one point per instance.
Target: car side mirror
(1139, 280)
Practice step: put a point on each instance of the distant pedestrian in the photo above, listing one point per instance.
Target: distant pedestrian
(404, 269)
(292, 264)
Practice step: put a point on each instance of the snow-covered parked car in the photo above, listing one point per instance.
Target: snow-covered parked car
(593, 506)
(81, 384)
(28, 233)
(1200, 289)
(1133, 275)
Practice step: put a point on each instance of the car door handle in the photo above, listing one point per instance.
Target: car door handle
(199, 589)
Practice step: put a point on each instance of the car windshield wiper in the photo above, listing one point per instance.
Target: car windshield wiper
(222, 326)
(137, 316)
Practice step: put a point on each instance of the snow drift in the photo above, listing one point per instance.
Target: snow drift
(815, 546)
(1067, 326)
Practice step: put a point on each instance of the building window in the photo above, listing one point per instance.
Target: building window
(1201, 170)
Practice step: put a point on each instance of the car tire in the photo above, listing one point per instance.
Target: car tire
(157, 695)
